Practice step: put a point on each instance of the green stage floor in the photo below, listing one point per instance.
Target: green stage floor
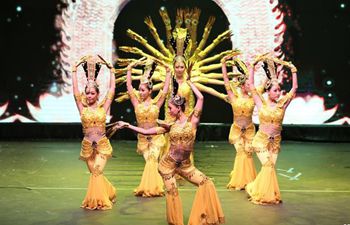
(44, 183)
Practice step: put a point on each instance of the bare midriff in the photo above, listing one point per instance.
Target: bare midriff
(270, 129)
(242, 121)
(179, 154)
(94, 134)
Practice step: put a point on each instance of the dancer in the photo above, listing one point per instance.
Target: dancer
(266, 143)
(147, 112)
(206, 208)
(95, 149)
(242, 130)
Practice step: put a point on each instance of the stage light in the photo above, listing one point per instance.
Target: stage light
(54, 88)
(330, 95)
(15, 96)
(329, 82)
(19, 9)
(31, 85)
(128, 110)
(18, 78)
(342, 5)
(8, 20)
(19, 108)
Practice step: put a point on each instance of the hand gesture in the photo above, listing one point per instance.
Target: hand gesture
(103, 61)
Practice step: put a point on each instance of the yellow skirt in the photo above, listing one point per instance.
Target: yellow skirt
(206, 208)
(151, 184)
(100, 193)
(243, 171)
(264, 189)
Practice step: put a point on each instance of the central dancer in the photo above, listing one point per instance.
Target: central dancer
(206, 208)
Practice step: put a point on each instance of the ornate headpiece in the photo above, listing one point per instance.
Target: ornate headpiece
(180, 40)
(148, 71)
(270, 69)
(177, 100)
(242, 68)
(92, 66)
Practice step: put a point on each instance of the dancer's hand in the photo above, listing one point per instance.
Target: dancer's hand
(104, 62)
(122, 124)
(259, 58)
(137, 62)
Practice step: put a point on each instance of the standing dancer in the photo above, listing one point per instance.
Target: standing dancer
(242, 130)
(95, 149)
(266, 143)
(147, 113)
(206, 208)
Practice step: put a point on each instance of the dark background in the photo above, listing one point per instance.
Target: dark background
(316, 40)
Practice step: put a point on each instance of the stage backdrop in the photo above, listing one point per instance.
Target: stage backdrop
(41, 40)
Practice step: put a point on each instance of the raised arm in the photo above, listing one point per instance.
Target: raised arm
(256, 95)
(199, 104)
(165, 88)
(77, 94)
(226, 80)
(294, 88)
(129, 87)
(111, 90)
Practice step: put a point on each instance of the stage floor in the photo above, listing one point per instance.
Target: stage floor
(43, 182)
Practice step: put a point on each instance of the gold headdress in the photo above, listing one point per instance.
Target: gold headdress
(242, 68)
(177, 100)
(271, 72)
(92, 66)
(180, 40)
(148, 71)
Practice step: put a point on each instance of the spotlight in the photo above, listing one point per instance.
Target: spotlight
(328, 82)
(54, 88)
(128, 110)
(330, 95)
(342, 5)
(19, 9)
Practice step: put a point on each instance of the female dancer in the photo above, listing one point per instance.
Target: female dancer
(242, 130)
(95, 149)
(147, 112)
(206, 207)
(266, 143)
(181, 88)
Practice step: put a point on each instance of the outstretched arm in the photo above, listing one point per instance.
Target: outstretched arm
(149, 131)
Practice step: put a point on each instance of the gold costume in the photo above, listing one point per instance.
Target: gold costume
(149, 146)
(264, 189)
(241, 137)
(184, 91)
(206, 208)
(100, 192)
